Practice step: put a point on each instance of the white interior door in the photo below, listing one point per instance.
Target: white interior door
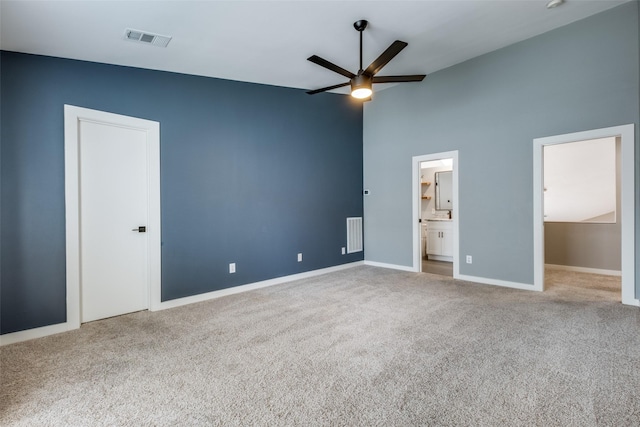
(113, 204)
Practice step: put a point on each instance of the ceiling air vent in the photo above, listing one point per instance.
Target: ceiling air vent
(146, 37)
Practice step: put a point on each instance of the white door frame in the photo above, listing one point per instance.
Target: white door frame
(72, 118)
(627, 202)
(415, 192)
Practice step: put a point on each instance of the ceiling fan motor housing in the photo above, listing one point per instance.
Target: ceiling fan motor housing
(360, 81)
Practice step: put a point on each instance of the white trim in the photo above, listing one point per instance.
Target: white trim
(251, 286)
(496, 282)
(34, 333)
(440, 258)
(627, 193)
(154, 247)
(479, 280)
(583, 269)
(391, 266)
(72, 117)
(415, 203)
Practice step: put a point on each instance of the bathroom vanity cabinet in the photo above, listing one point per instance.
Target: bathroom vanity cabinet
(440, 240)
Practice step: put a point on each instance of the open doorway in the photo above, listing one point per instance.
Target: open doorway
(435, 213)
(582, 245)
(623, 213)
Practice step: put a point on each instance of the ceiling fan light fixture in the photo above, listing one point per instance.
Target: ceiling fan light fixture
(361, 83)
(361, 93)
(361, 87)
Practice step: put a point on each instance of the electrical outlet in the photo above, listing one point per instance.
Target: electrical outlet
(232, 267)
(300, 257)
(344, 251)
(469, 259)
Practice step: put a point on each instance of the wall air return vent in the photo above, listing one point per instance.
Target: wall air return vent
(146, 37)
(354, 235)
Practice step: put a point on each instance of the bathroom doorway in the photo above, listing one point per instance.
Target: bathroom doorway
(435, 213)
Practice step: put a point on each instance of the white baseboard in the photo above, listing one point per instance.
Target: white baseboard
(482, 280)
(630, 301)
(390, 266)
(440, 258)
(34, 333)
(496, 282)
(44, 331)
(583, 269)
(251, 286)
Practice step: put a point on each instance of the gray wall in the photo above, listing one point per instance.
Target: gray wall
(589, 245)
(579, 77)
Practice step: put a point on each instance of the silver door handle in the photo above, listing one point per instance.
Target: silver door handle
(141, 229)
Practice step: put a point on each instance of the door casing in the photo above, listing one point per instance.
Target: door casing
(72, 117)
(627, 203)
(416, 198)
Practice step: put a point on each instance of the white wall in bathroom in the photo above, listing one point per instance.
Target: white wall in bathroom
(427, 206)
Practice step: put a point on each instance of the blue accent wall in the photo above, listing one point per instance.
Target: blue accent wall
(250, 174)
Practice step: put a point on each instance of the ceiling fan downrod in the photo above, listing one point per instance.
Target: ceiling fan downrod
(360, 26)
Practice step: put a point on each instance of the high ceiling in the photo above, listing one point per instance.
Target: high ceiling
(268, 41)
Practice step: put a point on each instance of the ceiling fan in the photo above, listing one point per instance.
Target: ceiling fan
(361, 83)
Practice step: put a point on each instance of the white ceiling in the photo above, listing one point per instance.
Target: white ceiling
(268, 41)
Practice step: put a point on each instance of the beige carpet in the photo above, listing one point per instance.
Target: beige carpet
(360, 347)
(585, 286)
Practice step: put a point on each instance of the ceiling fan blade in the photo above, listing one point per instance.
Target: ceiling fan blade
(386, 56)
(324, 89)
(399, 79)
(330, 66)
